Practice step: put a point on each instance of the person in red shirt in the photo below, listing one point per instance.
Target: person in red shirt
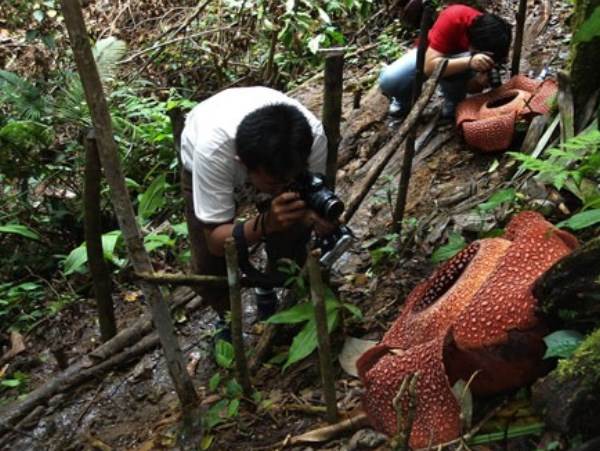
(474, 42)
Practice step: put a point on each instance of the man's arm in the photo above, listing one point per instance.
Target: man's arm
(479, 62)
(286, 209)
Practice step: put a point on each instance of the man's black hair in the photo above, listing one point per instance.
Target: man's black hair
(276, 138)
(491, 33)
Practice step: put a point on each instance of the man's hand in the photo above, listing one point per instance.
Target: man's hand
(481, 62)
(321, 226)
(286, 209)
(479, 82)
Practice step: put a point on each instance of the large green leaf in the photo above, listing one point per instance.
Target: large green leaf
(589, 29)
(76, 260)
(153, 198)
(302, 312)
(498, 198)
(456, 243)
(306, 341)
(581, 220)
(19, 229)
(562, 343)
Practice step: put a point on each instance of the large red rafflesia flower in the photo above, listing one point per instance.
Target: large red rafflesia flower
(475, 313)
(488, 120)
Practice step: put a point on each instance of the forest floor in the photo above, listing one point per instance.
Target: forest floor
(135, 407)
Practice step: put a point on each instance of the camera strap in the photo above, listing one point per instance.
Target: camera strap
(256, 277)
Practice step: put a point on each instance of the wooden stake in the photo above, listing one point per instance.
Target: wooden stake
(516, 61)
(332, 110)
(390, 148)
(566, 107)
(109, 157)
(317, 291)
(235, 298)
(93, 240)
(409, 148)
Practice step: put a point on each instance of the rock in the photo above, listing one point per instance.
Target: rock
(366, 439)
(474, 222)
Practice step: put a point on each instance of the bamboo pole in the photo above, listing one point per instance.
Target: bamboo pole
(332, 110)
(235, 298)
(390, 148)
(409, 148)
(109, 157)
(93, 240)
(317, 290)
(516, 61)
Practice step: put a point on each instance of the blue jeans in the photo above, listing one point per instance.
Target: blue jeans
(396, 80)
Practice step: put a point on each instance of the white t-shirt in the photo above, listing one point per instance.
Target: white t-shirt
(208, 147)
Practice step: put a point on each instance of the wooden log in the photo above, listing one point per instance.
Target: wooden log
(566, 107)
(390, 148)
(409, 148)
(123, 207)
(572, 284)
(332, 111)
(518, 45)
(93, 240)
(317, 290)
(235, 299)
(181, 279)
(111, 354)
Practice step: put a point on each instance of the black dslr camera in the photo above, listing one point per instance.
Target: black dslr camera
(495, 79)
(318, 197)
(326, 204)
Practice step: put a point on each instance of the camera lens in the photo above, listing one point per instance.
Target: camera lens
(334, 209)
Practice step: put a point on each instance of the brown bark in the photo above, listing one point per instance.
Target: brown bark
(518, 44)
(93, 241)
(235, 298)
(317, 291)
(409, 148)
(122, 204)
(332, 111)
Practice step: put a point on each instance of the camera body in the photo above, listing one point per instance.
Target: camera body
(326, 204)
(318, 196)
(495, 79)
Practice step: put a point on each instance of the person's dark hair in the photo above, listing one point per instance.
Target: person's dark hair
(491, 33)
(277, 138)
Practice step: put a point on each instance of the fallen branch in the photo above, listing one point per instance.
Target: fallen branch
(390, 149)
(134, 336)
(182, 279)
(328, 432)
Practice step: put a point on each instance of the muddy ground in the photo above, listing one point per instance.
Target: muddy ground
(135, 407)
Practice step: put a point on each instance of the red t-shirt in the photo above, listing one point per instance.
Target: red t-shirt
(448, 35)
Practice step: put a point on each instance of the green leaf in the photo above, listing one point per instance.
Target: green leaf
(233, 407)
(562, 343)
(581, 220)
(215, 414)
(18, 229)
(224, 354)
(180, 229)
(11, 383)
(233, 389)
(324, 16)
(498, 198)
(155, 241)
(589, 29)
(306, 341)
(75, 261)
(153, 198)
(296, 314)
(455, 244)
(214, 381)
(109, 242)
(353, 309)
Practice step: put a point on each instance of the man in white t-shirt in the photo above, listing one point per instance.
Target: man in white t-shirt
(248, 141)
